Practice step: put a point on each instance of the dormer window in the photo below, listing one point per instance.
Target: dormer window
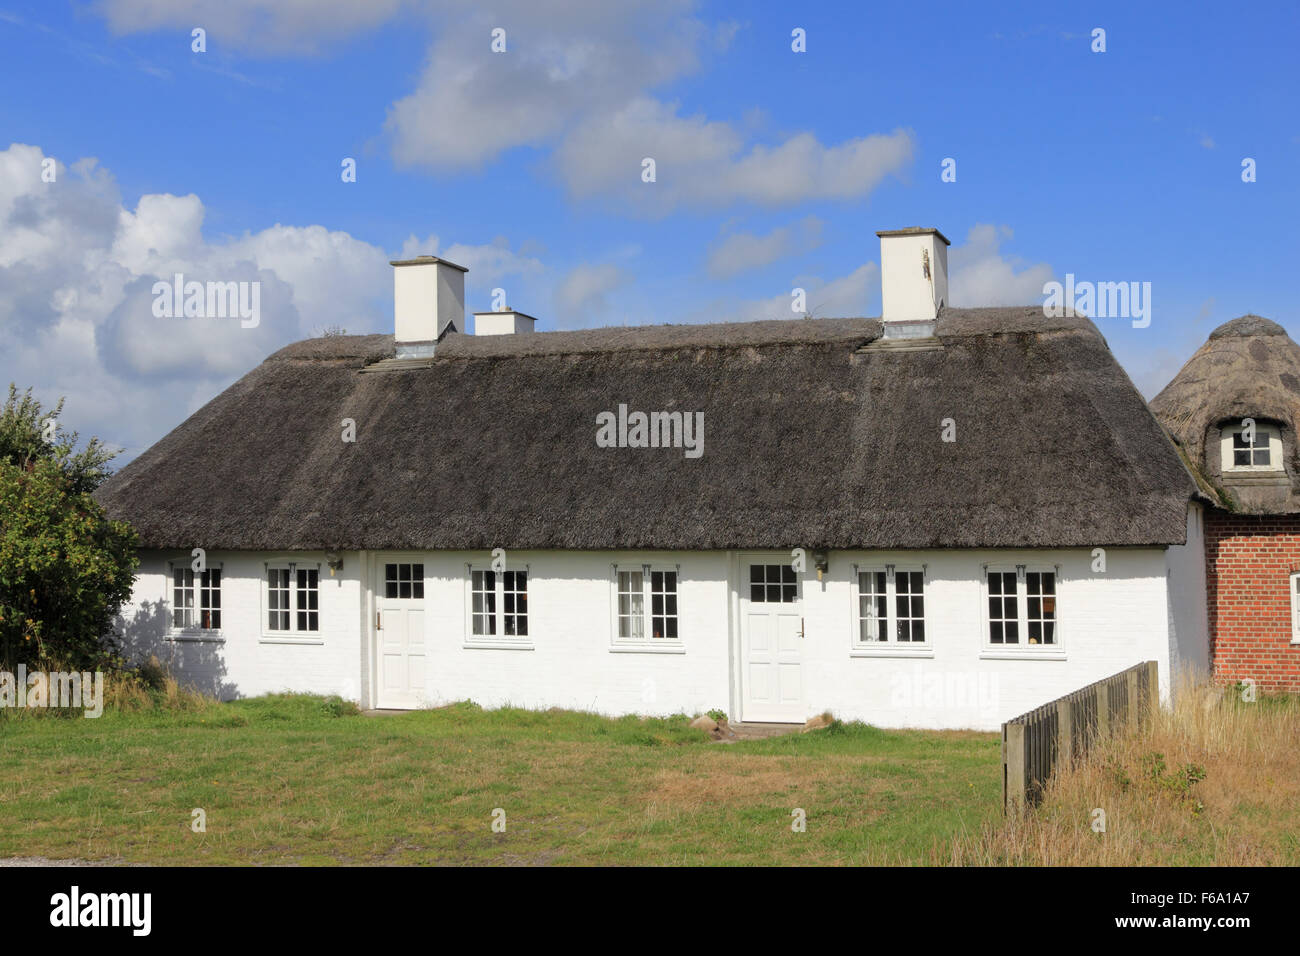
(1251, 447)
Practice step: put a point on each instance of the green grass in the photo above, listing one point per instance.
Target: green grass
(297, 779)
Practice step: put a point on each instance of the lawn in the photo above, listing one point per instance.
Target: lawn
(296, 779)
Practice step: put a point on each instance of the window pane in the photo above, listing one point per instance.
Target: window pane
(756, 593)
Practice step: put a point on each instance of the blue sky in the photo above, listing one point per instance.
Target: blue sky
(774, 168)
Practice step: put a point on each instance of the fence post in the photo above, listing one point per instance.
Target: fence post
(1131, 680)
(1065, 732)
(1014, 737)
(1153, 691)
(1103, 710)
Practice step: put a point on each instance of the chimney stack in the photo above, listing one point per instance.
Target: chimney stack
(428, 300)
(913, 281)
(505, 322)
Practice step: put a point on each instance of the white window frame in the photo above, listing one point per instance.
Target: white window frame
(890, 646)
(499, 640)
(647, 643)
(193, 632)
(1023, 649)
(1262, 430)
(292, 635)
(1293, 582)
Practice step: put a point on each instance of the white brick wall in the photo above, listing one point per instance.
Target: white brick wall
(1108, 622)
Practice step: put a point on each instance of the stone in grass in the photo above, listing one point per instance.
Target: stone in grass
(817, 723)
(705, 723)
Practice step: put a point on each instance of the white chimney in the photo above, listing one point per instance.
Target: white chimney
(913, 281)
(428, 299)
(505, 322)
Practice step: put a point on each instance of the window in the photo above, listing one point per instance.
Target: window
(1040, 610)
(1251, 447)
(404, 581)
(909, 598)
(1022, 608)
(196, 599)
(631, 605)
(663, 605)
(1004, 616)
(1295, 608)
(292, 599)
(873, 607)
(881, 592)
(277, 599)
(645, 605)
(773, 584)
(514, 587)
(308, 599)
(484, 607)
(498, 604)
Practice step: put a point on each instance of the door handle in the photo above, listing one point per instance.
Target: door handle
(801, 629)
(379, 621)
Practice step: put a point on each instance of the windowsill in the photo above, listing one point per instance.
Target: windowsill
(675, 647)
(197, 637)
(893, 650)
(1242, 476)
(1000, 654)
(499, 645)
(284, 639)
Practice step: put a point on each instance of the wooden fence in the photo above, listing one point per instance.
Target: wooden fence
(1058, 732)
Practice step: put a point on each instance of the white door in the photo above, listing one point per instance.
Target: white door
(771, 642)
(400, 634)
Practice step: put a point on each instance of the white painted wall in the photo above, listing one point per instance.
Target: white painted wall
(906, 293)
(428, 295)
(243, 660)
(1108, 621)
(1189, 624)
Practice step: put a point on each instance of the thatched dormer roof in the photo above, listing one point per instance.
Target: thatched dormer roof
(814, 436)
(1248, 368)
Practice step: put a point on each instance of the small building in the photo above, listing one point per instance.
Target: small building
(1233, 410)
(939, 518)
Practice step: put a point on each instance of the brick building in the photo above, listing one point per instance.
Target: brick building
(1232, 410)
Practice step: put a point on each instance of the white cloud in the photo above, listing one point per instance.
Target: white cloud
(578, 79)
(76, 275)
(581, 58)
(742, 251)
(489, 262)
(581, 294)
(264, 26)
(844, 296)
(699, 161)
(978, 274)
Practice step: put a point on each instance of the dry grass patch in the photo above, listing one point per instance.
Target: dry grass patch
(1214, 781)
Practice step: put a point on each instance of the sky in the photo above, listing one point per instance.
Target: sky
(773, 169)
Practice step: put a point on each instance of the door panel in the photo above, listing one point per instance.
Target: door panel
(401, 636)
(771, 645)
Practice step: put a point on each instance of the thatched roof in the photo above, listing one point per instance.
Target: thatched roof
(810, 440)
(1248, 368)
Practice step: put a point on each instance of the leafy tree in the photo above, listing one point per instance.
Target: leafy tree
(65, 569)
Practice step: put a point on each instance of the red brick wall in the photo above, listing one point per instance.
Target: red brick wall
(1249, 561)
